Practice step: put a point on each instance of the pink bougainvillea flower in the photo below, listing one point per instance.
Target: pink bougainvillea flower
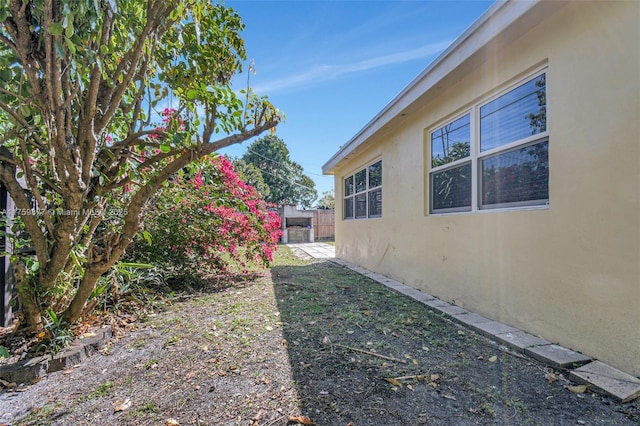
(214, 224)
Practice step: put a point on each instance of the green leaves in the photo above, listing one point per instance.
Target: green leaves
(25, 111)
(192, 94)
(147, 237)
(70, 45)
(55, 29)
(206, 221)
(285, 178)
(121, 63)
(4, 13)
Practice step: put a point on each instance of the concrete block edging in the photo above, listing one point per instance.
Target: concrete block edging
(599, 376)
(28, 370)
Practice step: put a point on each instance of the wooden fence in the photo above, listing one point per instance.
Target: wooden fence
(324, 225)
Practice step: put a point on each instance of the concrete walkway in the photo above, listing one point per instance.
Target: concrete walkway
(313, 250)
(581, 368)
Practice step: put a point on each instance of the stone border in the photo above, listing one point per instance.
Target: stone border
(597, 375)
(26, 371)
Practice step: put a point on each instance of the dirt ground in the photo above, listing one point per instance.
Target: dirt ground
(309, 339)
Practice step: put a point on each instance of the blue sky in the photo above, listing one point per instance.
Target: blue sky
(331, 66)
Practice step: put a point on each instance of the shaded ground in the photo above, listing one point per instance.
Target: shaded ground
(311, 339)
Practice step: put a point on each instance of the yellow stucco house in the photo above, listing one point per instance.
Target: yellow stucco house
(506, 177)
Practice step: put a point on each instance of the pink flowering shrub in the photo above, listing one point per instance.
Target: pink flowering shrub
(208, 224)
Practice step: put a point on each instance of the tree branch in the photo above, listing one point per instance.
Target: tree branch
(9, 43)
(9, 179)
(46, 181)
(95, 78)
(24, 42)
(134, 139)
(20, 99)
(33, 184)
(8, 160)
(132, 218)
(127, 68)
(39, 143)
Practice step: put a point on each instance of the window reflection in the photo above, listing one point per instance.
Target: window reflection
(348, 186)
(361, 206)
(375, 174)
(510, 163)
(518, 176)
(451, 142)
(520, 113)
(361, 180)
(348, 208)
(375, 203)
(451, 188)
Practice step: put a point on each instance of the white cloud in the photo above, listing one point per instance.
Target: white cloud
(323, 73)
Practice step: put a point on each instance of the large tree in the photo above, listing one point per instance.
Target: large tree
(101, 102)
(327, 201)
(251, 175)
(285, 178)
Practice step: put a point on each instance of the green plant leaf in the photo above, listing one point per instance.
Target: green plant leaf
(135, 265)
(69, 30)
(70, 45)
(25, 111)
(55, 29)
(4, 352)
(192, 94)
(59, 49)
(147, 237)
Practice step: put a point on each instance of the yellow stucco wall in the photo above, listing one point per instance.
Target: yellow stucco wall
(569, 273)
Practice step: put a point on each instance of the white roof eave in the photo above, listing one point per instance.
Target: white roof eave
(490, 24)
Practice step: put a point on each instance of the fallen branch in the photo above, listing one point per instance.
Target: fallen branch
(402, 361)
(277, 420)
(418, 377)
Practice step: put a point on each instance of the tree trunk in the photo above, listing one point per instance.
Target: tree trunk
(76, 307)
(32, 317)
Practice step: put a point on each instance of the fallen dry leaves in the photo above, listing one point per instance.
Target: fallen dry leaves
(255, 421)
(394, 382)
(578, 388)
(303, 420)
(121, 405)
(433, 380)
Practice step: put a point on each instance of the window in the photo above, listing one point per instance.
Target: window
(451, 162)
(493, 156)
(363, 193)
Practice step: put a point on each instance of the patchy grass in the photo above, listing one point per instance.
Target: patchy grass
(314, 339)
(101, 391)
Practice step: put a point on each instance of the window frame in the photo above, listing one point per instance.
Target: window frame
(477, 156)
(363, 193)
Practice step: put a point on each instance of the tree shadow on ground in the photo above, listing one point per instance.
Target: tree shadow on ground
(441, 373)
